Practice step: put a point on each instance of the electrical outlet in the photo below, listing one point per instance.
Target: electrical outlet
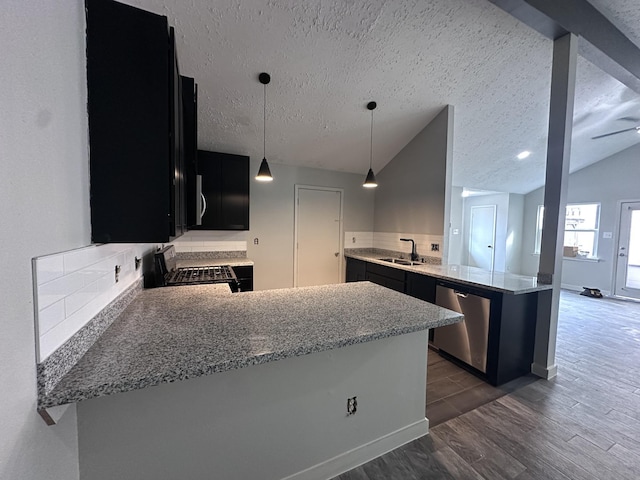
(118, 268)
(138, 262)
(352, 405)
(353, 239)
(435, 247)
(256, 241)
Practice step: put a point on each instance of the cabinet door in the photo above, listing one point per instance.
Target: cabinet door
(244, 274)
(190, 145)
(128, 106)
(388, 282)
(176, 179)
(225, 187)
(356, 270)
(422, 287)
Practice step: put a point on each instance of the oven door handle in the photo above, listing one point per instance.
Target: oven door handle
(201, 201)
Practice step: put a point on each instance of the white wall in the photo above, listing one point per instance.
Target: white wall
(456, 227)
(608, 182)
(44, 208)
(410, 196)
(265, 421)
(272, 217)
(509, 228)
(514, 237)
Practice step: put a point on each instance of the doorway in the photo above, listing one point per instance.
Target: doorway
(482, 237)
(627, 278)
(318, 236)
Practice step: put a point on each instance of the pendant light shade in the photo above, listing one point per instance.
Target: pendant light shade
(370, 181)
(264, 173)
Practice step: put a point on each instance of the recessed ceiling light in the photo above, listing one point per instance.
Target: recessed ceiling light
(523, 155)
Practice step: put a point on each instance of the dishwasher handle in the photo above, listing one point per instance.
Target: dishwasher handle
(461, 294)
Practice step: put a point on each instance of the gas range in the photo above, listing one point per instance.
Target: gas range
(168, 274)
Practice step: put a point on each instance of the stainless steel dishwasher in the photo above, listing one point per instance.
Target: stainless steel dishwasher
(467, 341)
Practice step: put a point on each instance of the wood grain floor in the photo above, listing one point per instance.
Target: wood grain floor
(584, 424)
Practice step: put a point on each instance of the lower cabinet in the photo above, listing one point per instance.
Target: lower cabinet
(510, 338)
(356, 270)
(421, 286)
(389, 277)
(244, 274)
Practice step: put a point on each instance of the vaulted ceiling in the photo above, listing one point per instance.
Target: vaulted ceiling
(328, 58)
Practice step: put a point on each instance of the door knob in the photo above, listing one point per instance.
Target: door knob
(621, 255)
(337, 253)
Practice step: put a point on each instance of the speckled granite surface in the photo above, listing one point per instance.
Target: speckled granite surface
(175, 333)
(53, 368)
(476, 277)
(379, 253)
(212, 262)
(211, 255)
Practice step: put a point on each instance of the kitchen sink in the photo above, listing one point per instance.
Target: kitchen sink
(400, 261)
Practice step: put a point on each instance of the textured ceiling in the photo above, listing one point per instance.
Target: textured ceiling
(328, 58)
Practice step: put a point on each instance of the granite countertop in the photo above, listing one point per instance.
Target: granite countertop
(213, 262)
(462, 274)
(175, 333)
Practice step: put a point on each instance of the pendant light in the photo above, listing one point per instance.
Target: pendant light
(264, 174)
(370, 181)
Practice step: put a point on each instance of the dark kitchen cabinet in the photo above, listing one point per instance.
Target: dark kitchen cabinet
(225, 191)
(244, 275)
(190, 144)
(389, 277)
(421, 286)
(356, 270)
(136, 186)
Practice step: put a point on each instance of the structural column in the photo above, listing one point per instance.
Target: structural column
(563, 80)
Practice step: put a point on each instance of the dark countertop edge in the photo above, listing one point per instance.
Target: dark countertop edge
(76, 396)
(440, 276)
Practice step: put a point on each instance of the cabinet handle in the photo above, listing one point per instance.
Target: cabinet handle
(204, 207)
(201, 201)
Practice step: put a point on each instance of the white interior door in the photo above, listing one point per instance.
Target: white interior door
(318, 236)
(627, 283)
(482, 236)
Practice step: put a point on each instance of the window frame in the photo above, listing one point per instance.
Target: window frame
(596, 230)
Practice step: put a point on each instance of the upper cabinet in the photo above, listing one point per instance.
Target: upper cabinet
(224, 193)
(135, 125)
(190, 142)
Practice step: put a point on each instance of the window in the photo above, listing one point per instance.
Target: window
(539, 229)
(581, 224)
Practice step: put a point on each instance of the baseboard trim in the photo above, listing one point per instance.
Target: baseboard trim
(544, 372)
(353, 458)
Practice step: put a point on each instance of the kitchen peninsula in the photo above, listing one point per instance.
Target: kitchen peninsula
(276, 419)
(496, 341)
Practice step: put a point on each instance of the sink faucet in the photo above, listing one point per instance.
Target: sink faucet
(414, 254)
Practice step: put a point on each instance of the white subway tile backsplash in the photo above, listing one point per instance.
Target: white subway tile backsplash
(49, 268)
(362, 239)
(211, 241)
(50, 316)
(79, 299)
(73, 287)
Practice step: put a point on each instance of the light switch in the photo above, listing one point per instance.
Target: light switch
(456, 231)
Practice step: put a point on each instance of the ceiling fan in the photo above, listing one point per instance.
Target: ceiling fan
(636, 128)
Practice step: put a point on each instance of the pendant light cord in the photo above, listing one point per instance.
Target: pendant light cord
(371, 146)
(264, 123)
